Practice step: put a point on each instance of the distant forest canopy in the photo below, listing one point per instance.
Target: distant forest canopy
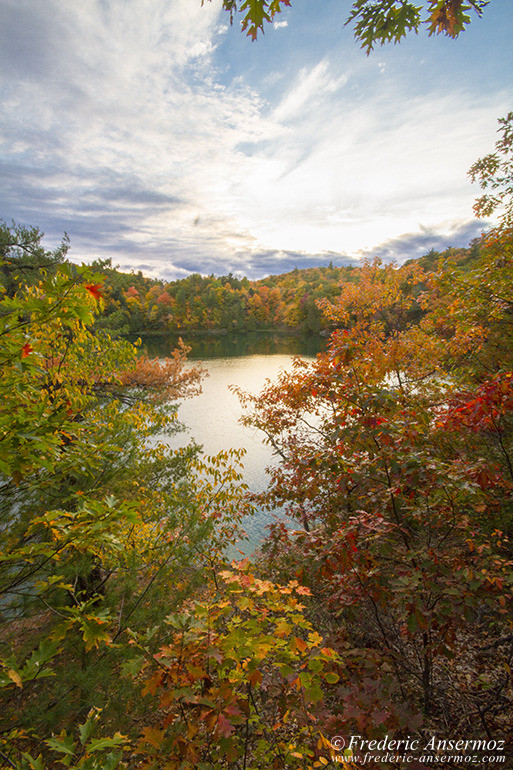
(134, 303)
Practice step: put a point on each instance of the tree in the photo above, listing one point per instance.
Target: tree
(375, 22)
(396, 450)
(240, 666)
(22, 256)
(494, 172)
(102, 526)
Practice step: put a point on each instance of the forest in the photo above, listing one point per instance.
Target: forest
(129, 640)
(289, 303)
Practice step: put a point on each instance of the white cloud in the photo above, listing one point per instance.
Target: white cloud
(352, 173)
(132, 104)
(280, 24)
(117, 127)
(311, 87)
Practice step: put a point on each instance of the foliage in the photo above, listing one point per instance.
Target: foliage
(286, 302)
(374, 22)
(387, 610)
(391, 20)
(396, 449)
(283, 303)
(22, 256)
(494, 172)
(87, 752)
(99, 519)
(240, 680)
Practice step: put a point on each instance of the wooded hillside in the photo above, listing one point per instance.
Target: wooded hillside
(134, 303)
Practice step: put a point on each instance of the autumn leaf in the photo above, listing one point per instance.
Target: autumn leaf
(224, 726)
(256, 678)
(94, 289)
(153, 736)
(299, 644)
(26, 350)
(15, 677)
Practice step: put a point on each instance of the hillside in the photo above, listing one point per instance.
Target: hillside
(287, 302)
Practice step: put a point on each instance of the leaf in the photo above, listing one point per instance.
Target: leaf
(153, 736)
(86, 729)
(106, 743)
(16, 678)
(94, 290)
(255, 16)
(299, 644)
(64, 744)
(256, 678)
(224, 727)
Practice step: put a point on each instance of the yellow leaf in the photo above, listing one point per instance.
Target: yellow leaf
(323, 742)
(16, 678)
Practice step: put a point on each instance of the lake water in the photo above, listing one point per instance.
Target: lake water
(212, 418)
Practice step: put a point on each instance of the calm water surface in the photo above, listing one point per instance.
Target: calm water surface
(212, 418)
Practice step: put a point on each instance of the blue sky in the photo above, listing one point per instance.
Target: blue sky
(153, 133)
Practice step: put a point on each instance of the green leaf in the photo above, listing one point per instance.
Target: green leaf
(64, 744)
(107, 743)
(87, 728)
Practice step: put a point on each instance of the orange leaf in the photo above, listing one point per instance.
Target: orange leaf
(256, 678)
(94, 289)
(153, 736)
(299, 644)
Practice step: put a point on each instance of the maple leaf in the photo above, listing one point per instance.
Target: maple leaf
(26, 350)
(94, 289)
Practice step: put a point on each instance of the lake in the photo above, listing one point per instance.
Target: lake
(212, 418)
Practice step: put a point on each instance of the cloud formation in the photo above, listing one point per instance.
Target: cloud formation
(125, 126)
(415, 245)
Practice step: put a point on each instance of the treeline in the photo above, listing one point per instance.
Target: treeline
(134, 303)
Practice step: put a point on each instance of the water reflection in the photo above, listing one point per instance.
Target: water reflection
(212, 419)
(207, 346)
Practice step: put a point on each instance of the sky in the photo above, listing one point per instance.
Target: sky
(155, 134)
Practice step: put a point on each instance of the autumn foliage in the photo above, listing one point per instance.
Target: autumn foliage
(104, 530)
(396, 449)
(128, 640)
(164, 380)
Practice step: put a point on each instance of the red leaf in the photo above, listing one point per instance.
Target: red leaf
(26, 350)
(94, 289)
(256, 678)
(224, 726)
